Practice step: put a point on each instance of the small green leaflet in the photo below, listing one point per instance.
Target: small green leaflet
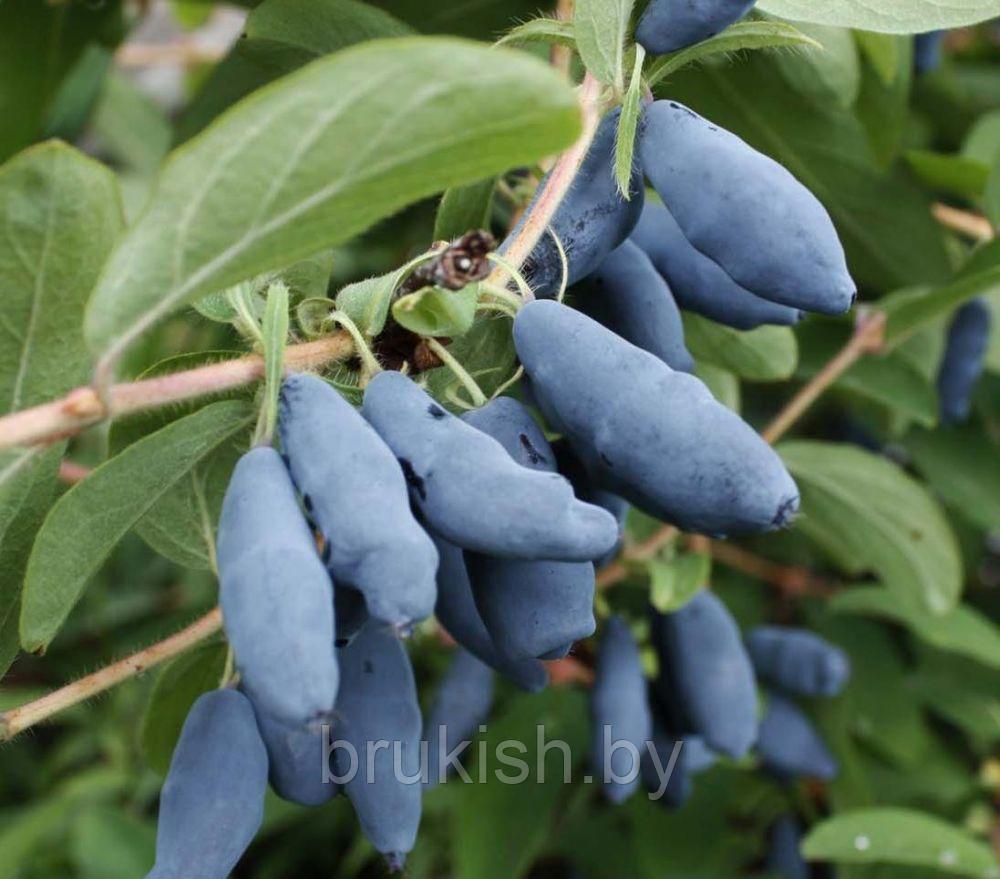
(600, 27)
(899, 836)
(765, 354)
(541, 30)
(434, 311)
(886, 16)
(673, 583)
(627, 124)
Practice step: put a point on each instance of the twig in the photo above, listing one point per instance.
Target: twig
(790, 579)
(560, 56)
(866, 339)
(640, 552)
(82, 407)
(16, 720)
(71, 473)
(557, 183)
(974, 226)
(186, 54)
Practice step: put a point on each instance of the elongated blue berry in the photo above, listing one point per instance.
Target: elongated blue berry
(784, 857)
(628, 296)
(354, 490)
(698, 283)
(790, 746)
(928, 51)
(797, 661)
(472, 492)
(706, 674)
(212, 802)
(619, 712)
(378, 703)
(456, 610)
(654, 436)
(463, 702)
(965, 353)
(277, 601)
(530, 607)
(592, 220)
(298, 761)
(745, 211)
(669, 25)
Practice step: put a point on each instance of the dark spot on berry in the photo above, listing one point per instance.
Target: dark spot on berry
(533, 454)
(367, 667)
(307, 503)
(606, 461)
(436, 411)
(412, 480)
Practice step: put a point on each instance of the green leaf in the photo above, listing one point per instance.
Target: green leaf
(367, 302)
(282, 36)
(886, 16)
(964, 630)
(89, 520)
(764, 354)
(673, 583)
(499, 829)
(175, 691)
(291, 170)
(628, 122)
(40, 43)
(275, 329)
(833, 74)
(960, 465)
(741, 36)
(883, 104)
(463, 209)
(964, 693)
(541, 30)
(951, 174)
(870, 515)
(888, 379)
(908, 311)
(877, 705)
(600, 27)
(129, 126)
(487, 353)
(434, 311)
(181, 523)
(61, 215)
(723, 384)
(882, 53)
(899, 836)
(991, 195)
(110, 844)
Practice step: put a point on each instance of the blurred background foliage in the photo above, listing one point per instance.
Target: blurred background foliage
(919, 725)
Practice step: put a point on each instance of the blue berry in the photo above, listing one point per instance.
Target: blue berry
(276, 597)
(790, 746)
(669, 25)
(797, 661)
(964, 357)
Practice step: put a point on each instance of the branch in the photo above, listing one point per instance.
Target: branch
(81, 407)
(557, 183)
(867, 339)
(974, 226)
(19, 719)
(790, 579)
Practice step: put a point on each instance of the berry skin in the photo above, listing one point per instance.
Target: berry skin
(669, 25)
(530, 607)
(746, 212)
(212, 802)
(276, 597)
(469, 490)
(784, 858)
(654, 436)
(628, 296)
(694, 757)
(296, 756)
(705, 674)
(789, 745)
(456, 610)
(592, 220)
(928, 51)
(962, 365)
(378, 702)
(354, 490)
(463, 702)
(797, 662)
(699, 284)
(618, 701)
